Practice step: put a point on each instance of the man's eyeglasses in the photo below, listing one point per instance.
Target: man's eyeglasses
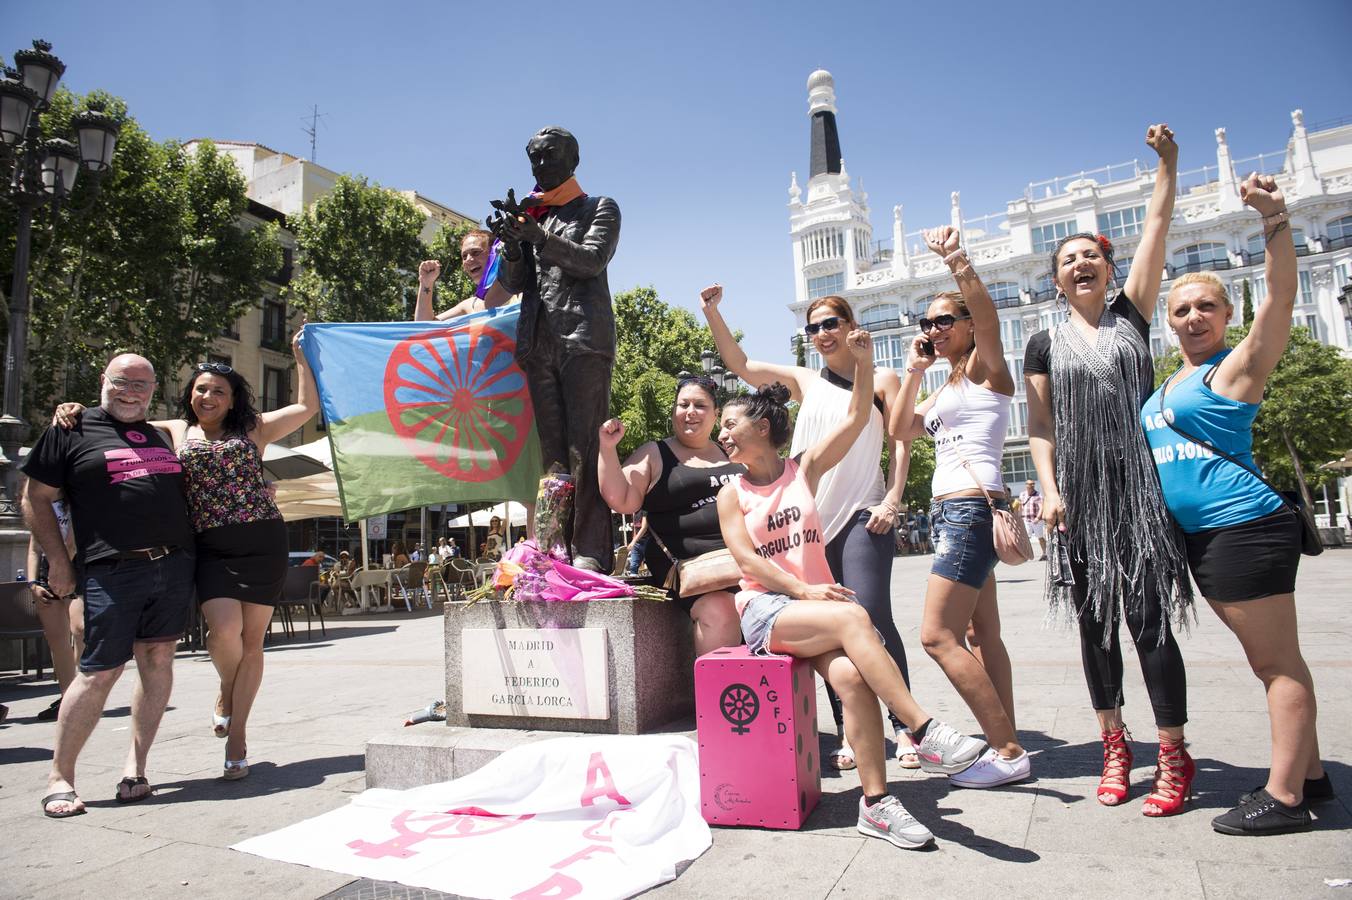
(940, 323)
(128, 384)
(830, 323)
(214, 367)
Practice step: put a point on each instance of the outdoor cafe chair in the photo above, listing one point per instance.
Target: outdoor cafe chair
(410, 582)
(461, 571)
(299, 589)
(19, 621)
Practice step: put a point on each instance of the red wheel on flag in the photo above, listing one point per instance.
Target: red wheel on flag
(459, 401)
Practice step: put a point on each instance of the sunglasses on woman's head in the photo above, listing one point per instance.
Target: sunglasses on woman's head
(830, 323)
(940, 323)
(214, 367)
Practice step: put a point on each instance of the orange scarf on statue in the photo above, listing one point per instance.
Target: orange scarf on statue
(541, 201)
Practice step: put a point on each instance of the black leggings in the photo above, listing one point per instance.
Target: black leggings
(1161, 663)
(862, 562)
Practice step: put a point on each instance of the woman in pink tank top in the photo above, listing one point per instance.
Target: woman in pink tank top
(790, 604)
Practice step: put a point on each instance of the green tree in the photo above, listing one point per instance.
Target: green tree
(1248, 304)
(359, 251)
(654, 341)
(158, 262)
(920, 476)
(1307, 409)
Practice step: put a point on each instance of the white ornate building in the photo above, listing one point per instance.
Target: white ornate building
(889, 281)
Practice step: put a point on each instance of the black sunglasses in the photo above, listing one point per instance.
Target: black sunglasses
(940, 323)
(214, 368)
(830, 323)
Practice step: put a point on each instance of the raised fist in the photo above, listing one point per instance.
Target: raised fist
(710, 296)
(611, 433)
(1261, 192)
(1161, 140)
(429, 270)
(942, 240)
(860, 344)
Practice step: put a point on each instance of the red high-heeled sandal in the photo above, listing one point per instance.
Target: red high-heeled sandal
(1116, 780)
(1173, 781)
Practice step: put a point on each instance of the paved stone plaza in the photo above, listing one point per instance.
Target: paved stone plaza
(322, 698)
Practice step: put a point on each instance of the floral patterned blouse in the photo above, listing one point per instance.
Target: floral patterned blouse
(225, 483)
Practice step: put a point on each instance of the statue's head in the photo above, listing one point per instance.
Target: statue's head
(553, 156)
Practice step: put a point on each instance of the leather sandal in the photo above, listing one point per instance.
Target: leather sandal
(65, 797)
(235, 769)
(131, 782)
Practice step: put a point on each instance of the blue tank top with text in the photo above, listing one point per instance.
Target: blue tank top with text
(1202, 489)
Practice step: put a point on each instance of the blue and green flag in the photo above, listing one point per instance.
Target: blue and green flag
(425, 412)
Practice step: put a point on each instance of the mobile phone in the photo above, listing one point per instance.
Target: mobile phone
(927, 348)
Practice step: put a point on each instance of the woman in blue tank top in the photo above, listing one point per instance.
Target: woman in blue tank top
(1243, 542)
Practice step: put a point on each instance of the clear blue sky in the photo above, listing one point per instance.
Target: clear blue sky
(692, 114)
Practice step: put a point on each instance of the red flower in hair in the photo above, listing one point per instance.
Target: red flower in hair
(1106, 244)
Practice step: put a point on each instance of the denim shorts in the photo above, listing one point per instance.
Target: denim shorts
(964, 540)
(758, 618)
(132, 600)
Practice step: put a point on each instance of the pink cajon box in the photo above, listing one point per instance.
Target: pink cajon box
(757, 720)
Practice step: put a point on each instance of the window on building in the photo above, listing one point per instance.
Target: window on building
(1018, 468)
(1306, 287)
(231, 330)
(1018, 420)
(825, 285)
(1340, 233)
(828, 243)
(1206, 255)
(1121, 269)
(1046, 288)
(276, 389)
(1052, 317)
(1011, 333)
(935, 377)
(1004, 293)
(1342, 273)
(884, 314)
(1256, 245)
(1121, 222)
(1046, 237)
(1157, 348)
(1259, 290)
(1309, 321)
(274, 325)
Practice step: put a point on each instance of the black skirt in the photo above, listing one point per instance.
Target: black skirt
(245, 562)
(1247, 561)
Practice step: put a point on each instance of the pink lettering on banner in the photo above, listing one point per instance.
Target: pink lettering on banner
(600, 784)
(139, 462)
(456, 823)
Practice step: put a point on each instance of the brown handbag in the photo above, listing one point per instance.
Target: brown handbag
(1011, 536)
(713, 571)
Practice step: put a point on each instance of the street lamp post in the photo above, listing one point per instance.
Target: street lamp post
(43, 175)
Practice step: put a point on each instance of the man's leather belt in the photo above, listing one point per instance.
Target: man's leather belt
(151, 553)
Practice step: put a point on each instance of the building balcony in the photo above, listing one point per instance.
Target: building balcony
(1338, 243)
(1206, 265)
(1011, 302)
(880, 325)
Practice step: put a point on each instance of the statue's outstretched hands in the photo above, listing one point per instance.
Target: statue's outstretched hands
(1261, 192)
(710, 297)
(611, 433)
(942, 240)
(1161, 140)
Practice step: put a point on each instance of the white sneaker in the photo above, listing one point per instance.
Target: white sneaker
(993, 770)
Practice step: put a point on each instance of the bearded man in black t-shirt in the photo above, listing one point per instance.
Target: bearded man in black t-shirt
(133, 564)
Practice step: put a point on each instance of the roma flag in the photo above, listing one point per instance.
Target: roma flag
(425, 412)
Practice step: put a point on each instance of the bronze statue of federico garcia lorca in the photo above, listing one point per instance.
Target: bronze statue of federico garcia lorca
(556, 245)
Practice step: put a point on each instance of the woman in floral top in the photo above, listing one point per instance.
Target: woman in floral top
(241, 539)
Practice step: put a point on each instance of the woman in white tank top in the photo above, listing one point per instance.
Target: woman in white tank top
(967, 419)
(859, 509)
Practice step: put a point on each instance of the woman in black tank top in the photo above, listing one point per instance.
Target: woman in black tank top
(676, 481)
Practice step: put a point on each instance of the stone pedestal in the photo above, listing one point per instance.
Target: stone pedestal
(649, 661)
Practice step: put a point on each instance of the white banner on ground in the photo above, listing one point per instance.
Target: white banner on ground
(586, 817)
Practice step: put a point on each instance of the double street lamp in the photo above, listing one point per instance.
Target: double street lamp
(43, 175)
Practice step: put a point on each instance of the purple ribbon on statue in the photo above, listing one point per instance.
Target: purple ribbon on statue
(490, 272)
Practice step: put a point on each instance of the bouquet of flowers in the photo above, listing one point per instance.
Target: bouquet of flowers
(553, 508)
(526, 573)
